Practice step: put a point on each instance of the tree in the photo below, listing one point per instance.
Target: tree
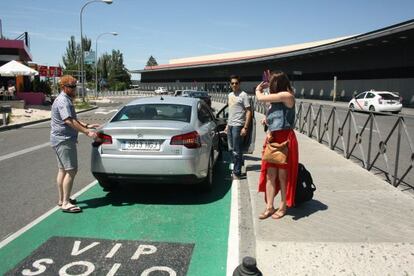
(111, 68)
(151, 61)
(72, 58)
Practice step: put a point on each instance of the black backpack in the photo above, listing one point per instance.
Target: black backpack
(304, 186)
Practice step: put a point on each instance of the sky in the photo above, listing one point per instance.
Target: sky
(168, 29)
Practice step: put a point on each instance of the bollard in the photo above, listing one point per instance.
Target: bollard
(4, 109)
(247, 268)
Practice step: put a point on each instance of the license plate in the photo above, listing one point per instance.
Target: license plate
(142, 145)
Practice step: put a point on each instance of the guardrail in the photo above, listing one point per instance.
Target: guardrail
(390, 151)
(326, 125)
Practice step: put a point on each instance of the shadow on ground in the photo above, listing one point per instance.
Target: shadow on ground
(306, 209)
(168, 194)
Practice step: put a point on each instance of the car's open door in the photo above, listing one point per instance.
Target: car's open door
(249, 142)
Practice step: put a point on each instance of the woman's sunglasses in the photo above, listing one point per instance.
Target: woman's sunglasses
(70, 85)
(234, 83)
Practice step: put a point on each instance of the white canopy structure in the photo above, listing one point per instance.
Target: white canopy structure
(14, 68)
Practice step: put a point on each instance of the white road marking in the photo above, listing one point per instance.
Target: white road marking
(234, 233)
(42, 217)
(106, 112)
(367, 129)
(23, 151)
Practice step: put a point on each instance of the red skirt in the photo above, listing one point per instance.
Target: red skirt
(280, 136)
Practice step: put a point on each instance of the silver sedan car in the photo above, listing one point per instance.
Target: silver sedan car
(158, 139)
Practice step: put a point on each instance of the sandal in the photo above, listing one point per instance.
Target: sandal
(280, 213)
(72, 201)
(267, 213)
(72, 209)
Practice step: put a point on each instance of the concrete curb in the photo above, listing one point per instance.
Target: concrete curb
(15, 126)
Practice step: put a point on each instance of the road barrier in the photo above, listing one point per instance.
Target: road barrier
(389, 151)
(4, 110)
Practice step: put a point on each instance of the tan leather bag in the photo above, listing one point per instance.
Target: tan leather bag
(276, 153)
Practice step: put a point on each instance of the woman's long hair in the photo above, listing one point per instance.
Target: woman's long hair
(279, 82)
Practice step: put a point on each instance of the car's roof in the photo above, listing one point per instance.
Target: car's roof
(165, 100)
(376, 92)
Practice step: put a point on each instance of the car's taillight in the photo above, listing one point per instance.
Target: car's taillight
(189, 140)
(102, 139)
(380, 100)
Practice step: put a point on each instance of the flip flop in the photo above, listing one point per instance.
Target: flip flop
(72, 209)
(71, 201)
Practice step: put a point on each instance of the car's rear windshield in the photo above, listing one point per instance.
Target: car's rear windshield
(168, 112)
(388, 96)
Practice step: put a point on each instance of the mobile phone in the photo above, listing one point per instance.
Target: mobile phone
(265, 76)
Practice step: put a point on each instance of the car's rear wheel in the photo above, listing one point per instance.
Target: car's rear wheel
(207, 184)
(372, 108)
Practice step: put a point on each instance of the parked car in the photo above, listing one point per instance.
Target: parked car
(377, 101)
(198, 94)
(168, 139)
(161, 90)
(178, 93)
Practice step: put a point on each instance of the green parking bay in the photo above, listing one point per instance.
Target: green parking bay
(171, 216)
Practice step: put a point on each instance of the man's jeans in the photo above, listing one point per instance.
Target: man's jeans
(235, 142)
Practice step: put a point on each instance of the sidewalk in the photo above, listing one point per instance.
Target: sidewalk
(357, 224)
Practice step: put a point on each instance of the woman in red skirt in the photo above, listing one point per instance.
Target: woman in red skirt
(280, 120)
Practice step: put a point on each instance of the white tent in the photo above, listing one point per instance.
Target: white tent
(14, 68)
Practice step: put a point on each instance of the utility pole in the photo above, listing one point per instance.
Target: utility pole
(334, 90)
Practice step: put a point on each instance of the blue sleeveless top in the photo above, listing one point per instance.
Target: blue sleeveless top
(279, 116)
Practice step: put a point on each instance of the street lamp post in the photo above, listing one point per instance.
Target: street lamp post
(82, 55)
(96, 60)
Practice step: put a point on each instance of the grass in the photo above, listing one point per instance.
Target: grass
(82, 105)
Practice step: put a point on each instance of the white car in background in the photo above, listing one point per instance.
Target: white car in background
(161, 90)
(378, 101)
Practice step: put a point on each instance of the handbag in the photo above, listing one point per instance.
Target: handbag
(276, 153)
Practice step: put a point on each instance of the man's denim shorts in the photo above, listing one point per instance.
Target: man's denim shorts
(67, 156)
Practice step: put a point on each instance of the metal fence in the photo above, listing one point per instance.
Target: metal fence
(362, 136)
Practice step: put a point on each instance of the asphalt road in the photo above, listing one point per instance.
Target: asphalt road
(28, 165)
(28, 170)
(193, 243)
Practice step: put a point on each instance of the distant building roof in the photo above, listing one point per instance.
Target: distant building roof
(240, 55)
(276, 52)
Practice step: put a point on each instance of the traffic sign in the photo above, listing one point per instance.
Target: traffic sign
(90, 57)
